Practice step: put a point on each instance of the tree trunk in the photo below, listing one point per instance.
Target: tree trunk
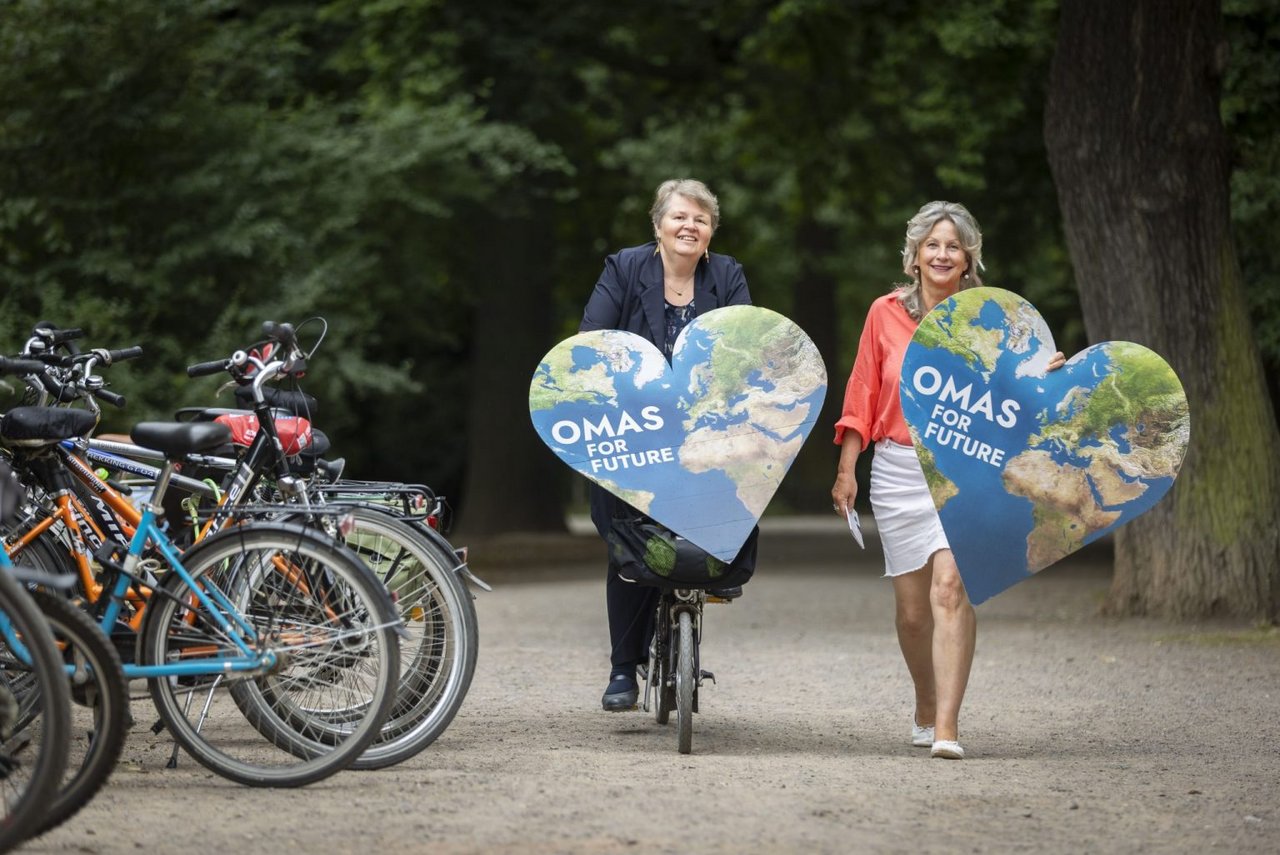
(1140, 160)
(513, 481)
(807, 488)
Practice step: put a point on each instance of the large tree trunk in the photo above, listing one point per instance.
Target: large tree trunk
(1140, 160)
(513, 482)
(807, 488)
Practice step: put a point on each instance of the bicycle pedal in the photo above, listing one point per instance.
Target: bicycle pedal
(158, 727)
(712, 598)
(706, 675)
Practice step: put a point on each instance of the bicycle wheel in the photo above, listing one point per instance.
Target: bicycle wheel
(100, 717)
(35, 721)
(685, 683)
(438, 656)
(47, 555)
(328, 622)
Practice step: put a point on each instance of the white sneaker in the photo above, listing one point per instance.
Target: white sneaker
(947, 749)
(921, 737)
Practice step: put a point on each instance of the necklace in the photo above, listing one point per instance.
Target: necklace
(680, 292)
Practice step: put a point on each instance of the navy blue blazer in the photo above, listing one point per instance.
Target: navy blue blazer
(629, 296)
(629, 293)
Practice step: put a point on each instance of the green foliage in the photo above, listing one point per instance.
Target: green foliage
(174, 172)
(1250, 105)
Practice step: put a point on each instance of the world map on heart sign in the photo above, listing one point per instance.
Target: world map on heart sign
(700, 445)
(1027, 465)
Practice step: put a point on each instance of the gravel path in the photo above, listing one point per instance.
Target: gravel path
(1084, 735)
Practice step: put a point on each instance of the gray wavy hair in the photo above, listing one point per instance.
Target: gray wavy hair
(690, 188)
(918, 228)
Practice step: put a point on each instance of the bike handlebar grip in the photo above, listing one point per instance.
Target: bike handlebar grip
(283, 333)
(204, 369)
(55, 336)
(113, 398)
(20, 366)
(124, 353)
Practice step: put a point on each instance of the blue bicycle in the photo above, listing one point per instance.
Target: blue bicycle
(271, 652)
(35, 722)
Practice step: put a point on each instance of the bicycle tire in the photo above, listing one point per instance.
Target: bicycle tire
(98, 686)
(686, 681)
(355, 657)
(49, 555)
(439, 660)
(34, 711)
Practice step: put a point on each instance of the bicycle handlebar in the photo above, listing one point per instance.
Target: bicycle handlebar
(58, 360)
(113, 398)
(107, 357)
(21, 366)
(204, 369)
(52, 336)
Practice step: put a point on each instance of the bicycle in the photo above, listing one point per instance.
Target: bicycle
(403, 549)
(674, 673)
(35, 711)
(687, 578)
(261, 612)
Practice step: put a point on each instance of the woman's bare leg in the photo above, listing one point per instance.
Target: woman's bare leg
(955, 631)
(915, 623)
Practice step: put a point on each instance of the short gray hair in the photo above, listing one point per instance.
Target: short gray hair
(690, 188)
(918, 228)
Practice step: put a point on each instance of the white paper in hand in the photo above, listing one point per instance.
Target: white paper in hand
(855, 526)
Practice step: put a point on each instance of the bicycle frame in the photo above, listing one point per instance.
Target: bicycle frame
(144, 529)
(211, 599)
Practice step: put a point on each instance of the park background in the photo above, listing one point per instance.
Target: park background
(442, 179)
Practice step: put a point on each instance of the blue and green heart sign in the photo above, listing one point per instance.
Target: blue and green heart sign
(1027, 465)
(700, 445)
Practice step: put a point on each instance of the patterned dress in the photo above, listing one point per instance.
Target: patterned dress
(678, 317)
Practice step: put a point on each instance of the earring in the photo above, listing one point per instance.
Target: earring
(966, 275)
(707, 254)
(657, 249)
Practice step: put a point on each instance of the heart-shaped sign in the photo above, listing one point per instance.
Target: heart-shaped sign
(700, 445)
(1027, 465)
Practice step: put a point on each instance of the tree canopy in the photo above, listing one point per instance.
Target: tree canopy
(441, 181)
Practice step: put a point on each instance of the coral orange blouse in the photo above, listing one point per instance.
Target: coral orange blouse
(871, 404)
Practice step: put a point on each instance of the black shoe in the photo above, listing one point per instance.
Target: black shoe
(621, 694)
(726, 593)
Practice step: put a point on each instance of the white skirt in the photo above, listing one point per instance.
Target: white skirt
(906, 519)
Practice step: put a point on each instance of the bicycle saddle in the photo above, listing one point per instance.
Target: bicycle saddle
(177, 438)
(35, 425)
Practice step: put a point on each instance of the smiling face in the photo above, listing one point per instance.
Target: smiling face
(942, 259)
(685, 229)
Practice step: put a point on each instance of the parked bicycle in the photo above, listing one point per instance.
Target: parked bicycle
(278, 629)
(35, 705)
(389, 526)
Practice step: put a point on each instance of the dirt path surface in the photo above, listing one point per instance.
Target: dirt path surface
(1084, 735)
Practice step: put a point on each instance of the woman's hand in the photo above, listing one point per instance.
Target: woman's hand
(843, 493)
(1057, 361)
(846, 486)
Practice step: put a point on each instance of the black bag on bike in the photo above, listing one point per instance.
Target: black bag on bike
(648, 552)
